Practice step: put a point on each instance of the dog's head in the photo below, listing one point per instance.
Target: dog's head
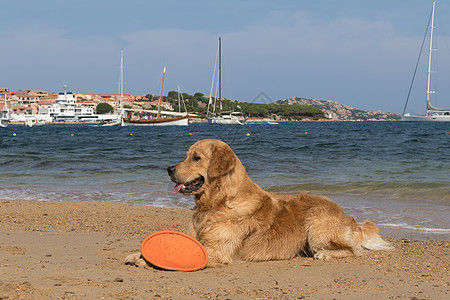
(205, 161)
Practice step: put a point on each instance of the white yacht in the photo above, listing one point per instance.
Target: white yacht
(227, 118)
(66, 108)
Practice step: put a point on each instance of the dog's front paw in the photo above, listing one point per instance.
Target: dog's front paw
(215, 262)
(330, 254)
(322, 255)
(136, 259)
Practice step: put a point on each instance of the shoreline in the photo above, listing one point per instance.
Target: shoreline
(195, 120)
(74, 250)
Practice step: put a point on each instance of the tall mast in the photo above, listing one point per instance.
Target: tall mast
(429, 58)
(121, 83)
(178, 95)
(160, 97)
(220, 74)
(212, 84)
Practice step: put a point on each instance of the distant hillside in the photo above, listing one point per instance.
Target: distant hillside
(342, 112)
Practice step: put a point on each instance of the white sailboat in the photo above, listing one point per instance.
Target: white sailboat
(119, 111)
(434, 114)
(221, 117)
(5, 115)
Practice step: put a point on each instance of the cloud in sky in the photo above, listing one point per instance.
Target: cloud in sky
(365, 62)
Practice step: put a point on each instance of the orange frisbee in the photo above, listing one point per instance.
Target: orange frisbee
(173, 250)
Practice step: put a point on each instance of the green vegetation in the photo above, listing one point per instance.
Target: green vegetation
(198, 104)
(104, 108)
(293, 111)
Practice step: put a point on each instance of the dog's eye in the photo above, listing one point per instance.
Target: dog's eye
(196, 158)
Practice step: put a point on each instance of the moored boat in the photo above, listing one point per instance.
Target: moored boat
(221, 117)
(66, 109)
(158, 120)
(433, 114)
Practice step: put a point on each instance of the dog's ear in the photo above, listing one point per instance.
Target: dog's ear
(222, 160)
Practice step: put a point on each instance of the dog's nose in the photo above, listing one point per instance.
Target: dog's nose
(171, 170)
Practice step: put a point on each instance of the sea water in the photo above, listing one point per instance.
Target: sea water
(394, 173)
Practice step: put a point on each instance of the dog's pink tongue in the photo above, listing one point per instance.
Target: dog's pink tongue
(177, 188)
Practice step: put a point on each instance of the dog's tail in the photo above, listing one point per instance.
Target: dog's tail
(372, 239)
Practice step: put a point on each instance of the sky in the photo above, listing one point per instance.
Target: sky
(358, 53)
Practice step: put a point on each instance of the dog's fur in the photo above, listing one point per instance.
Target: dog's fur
(237, 220)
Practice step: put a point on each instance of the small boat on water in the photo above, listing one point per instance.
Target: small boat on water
(273, 121)
(221, 117)
(33, 122)
(227, 118)
(159, 120)
(433, 114)
(5, 115)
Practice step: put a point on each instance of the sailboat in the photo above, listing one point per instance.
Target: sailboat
(5, 115)
(433, 113)
(158, 120)
(119, 112)
(221, 117)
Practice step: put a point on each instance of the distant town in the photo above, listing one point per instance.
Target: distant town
(29, 102)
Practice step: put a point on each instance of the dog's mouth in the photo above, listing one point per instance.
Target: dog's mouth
(190, 187)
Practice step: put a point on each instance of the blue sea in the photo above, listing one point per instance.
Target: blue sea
(394, 173)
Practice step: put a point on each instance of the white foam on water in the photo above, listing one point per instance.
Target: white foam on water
(417, 228)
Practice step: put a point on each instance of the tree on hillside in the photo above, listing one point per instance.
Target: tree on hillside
(172, 95)
(104, 108)
(198, 96)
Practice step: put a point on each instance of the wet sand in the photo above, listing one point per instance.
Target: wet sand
(75, 250)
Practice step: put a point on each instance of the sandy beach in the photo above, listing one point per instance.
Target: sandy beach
(75, 250)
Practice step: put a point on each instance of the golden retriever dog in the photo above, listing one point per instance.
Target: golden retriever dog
(235, 219)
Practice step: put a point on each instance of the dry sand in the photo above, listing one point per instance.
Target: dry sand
(75, 250)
